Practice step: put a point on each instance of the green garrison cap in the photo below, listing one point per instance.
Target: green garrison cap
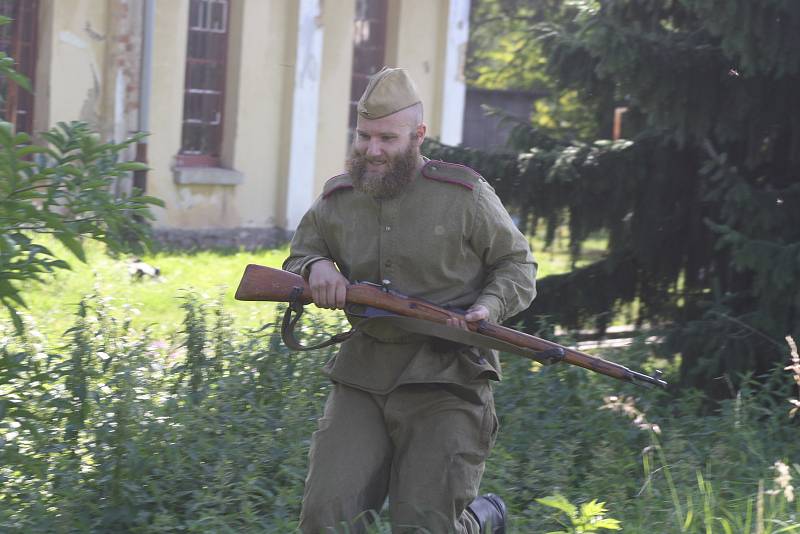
(389, 91)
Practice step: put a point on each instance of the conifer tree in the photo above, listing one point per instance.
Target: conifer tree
(701, 200)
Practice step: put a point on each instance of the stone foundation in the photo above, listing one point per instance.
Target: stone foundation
(221, 238)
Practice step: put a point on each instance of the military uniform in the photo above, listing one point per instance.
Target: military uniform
(407, 416)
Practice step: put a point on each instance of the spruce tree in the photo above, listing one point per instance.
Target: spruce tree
(701, 200)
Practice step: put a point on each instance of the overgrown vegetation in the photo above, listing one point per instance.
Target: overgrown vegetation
(62, 186)
(118, 427)
(504, 54)
(62, 189)
(700, 200)
(110, 430)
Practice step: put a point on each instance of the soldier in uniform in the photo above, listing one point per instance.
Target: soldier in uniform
(408, 416)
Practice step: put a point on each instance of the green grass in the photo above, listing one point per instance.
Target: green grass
(156, 302)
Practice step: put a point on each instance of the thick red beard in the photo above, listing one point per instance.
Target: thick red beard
(400, 171)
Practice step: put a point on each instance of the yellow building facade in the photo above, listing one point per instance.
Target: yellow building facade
(264, 86)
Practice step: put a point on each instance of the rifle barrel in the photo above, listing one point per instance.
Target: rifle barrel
(571, 356)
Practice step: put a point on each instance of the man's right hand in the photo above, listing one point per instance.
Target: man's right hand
(328, 286)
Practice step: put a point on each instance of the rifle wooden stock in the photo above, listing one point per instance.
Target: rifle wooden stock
(261, 283)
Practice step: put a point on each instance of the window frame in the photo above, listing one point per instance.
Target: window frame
(17, 100)
(212, 158)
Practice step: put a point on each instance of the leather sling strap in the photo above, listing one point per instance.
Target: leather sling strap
(290, 319)
(415, 326)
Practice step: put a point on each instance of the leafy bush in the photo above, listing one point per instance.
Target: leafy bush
(117, 432)
(589, 517)
(62, 189)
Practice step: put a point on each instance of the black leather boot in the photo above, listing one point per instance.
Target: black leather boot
(490, 511)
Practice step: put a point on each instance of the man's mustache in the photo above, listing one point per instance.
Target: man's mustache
(363, 157)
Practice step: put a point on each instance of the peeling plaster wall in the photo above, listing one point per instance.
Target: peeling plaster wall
(289, 40)
(122, 69)
(78, 57)
(89, 65)
(254, 124)
(334, 106)
(42, 89)
(264, 143)
(306, 93)
(166, 110)
(415, 39)
(260, 120)
(200, 204)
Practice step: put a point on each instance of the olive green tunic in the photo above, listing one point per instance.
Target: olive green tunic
(446, 239)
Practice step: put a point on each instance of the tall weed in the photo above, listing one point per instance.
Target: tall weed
(657, 459)
(209, 430)
(120, 433)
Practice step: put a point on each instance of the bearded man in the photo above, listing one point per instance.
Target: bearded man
(409, 416)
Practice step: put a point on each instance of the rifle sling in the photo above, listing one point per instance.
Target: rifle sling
(463, 337)
(287, 329)
(415, 326)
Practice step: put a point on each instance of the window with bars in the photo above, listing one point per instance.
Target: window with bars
(204, 92)
(18, 40)
(369, 49)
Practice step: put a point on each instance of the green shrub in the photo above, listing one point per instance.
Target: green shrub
(63, 189)
(209, 431)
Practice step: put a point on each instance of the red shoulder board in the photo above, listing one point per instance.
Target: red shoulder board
(451, 173)
(337, 183)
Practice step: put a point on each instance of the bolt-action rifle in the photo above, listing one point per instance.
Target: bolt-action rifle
(376, 303)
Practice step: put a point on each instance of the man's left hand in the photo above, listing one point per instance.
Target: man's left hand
(474, 314)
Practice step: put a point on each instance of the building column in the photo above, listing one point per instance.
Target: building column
(122, 77)
(454, 87)
(305, 112)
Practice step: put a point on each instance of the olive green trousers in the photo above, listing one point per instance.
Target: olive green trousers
(422, 445)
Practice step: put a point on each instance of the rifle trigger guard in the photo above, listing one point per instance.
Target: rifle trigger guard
(294, 300)
(551, 356)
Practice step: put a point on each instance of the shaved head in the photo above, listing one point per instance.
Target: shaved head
(411, 116)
